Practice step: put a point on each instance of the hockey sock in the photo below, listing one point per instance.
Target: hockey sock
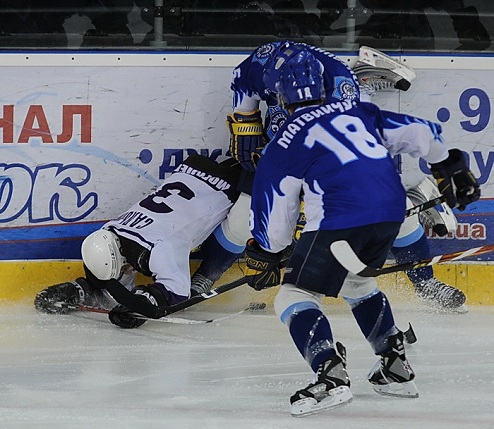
(375, 319)
(218, 255)
(414, 252)
(311, 333)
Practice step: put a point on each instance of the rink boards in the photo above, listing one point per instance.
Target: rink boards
(85, 135)
(21, 281)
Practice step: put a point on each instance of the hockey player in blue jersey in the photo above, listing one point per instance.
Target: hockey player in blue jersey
(253, 82)
(339, 155)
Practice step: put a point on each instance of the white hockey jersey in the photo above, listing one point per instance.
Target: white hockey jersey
(178, 217)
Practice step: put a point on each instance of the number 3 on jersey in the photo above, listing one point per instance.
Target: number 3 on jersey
(354, 131)
(156, 202)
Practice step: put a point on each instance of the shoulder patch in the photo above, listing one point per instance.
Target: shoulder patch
(344, 88)
(262, 53)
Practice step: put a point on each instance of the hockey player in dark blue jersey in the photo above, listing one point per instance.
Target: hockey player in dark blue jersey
(339, 155)
(248, 135)
(254, 82)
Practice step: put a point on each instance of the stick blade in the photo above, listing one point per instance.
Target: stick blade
(345, 255)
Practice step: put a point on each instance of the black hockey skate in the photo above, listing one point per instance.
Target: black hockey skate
(332, 387)
(441, 296)
(61, 298)
(200, 284)
(392, 374)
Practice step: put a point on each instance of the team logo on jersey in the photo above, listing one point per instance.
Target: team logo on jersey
(344, 88)
(263, 52)
(276, 118)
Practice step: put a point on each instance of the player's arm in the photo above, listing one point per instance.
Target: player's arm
(275, 209)
(148, 300)
(245, 122)
(246, 137)
(274, 213)
(421, 138)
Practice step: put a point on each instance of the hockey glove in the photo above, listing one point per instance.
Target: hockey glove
(263, 268)
(144, 295)
(246, 138)
(455, 180)
(60, 298)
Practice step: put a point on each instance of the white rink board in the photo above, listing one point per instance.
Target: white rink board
(148, 111)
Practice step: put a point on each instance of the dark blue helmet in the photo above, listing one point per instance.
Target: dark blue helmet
(300, 80)
(281, 54)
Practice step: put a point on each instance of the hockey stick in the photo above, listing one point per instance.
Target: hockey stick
(177, 320)
(345, 255)
(177, 307)
(204, 296)
(425, 206)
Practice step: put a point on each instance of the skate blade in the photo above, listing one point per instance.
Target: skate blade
(338, 396)
(377, 58)
(399, 390)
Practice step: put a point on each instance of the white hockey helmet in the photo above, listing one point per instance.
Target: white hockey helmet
(101, 254)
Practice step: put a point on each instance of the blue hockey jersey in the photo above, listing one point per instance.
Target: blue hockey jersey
(337, 156)
(249, 89)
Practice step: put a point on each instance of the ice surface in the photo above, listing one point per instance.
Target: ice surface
(79, 371)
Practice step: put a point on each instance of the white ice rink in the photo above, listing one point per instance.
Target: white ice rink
(79, 371)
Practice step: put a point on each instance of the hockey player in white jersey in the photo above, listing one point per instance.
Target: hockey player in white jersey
(154, 237)
(339, 155)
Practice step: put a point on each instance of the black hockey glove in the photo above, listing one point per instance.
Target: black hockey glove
(263, 268)
(144, 296)
(455, 180)
(60, 298)
(246, 138)
(123, 317)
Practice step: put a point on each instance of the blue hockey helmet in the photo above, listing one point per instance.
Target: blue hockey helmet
(280, 55)
(300, 80)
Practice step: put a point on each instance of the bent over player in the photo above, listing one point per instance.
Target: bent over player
(154, 237)
(339, 155)
(253, 82)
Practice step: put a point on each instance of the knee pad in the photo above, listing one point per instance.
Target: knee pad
(291, 300)
(356, 287)
(235, 227)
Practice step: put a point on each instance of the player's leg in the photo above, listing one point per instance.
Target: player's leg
(392, 375)
(410, 245)
(222, 248)
(374, 314)
(310, 330)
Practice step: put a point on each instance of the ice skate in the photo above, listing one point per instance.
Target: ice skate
(376, 71)
(392, 374)
(440, 218)
(441, 296)
(61, 298)
(331, 388)
(200, 284)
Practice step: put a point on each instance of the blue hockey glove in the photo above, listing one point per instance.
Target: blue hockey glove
(246, 138)
(455, 180)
